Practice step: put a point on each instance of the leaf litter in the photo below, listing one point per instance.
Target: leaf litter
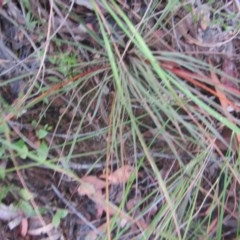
(198, 30)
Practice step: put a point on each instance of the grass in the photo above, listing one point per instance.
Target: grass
(116, 99)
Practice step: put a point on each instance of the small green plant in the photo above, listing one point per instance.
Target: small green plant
(43, 132)
(30, 22)
(152, 103)
(60, 214)
(22, 148)
(42, 151)
(65, 62)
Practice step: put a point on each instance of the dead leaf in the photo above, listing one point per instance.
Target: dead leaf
(10, 212)
(24, 227)
(41, 230)
(15, 222)
(37, 228)
(121, 175)
(131, 204)
(92, 235)
(91, 185)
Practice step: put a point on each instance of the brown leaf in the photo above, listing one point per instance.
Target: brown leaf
(91, 185)
(121, 175)
(24, 227)
(41, 230)
(92, 235)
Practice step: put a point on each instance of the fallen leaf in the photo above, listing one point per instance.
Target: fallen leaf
(131, 204)
(15, 222)
(90, 185)
(92, 235)
(10, 212)
(24, 227)
(121, 175)
(86, 189)
(41, 230)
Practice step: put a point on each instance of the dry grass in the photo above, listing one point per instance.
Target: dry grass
(119, 120)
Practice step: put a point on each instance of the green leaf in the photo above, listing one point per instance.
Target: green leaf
(42, 133)
(22, 149)
(3, 192)
(26, 195)
(30, 23)
(61, 213)
(27, 4)
(2, 128)
(43, 151)
(34, 123)
(2, 151)
(26, 207)
(2, 174)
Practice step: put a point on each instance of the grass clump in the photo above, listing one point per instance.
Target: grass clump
(122, 122)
